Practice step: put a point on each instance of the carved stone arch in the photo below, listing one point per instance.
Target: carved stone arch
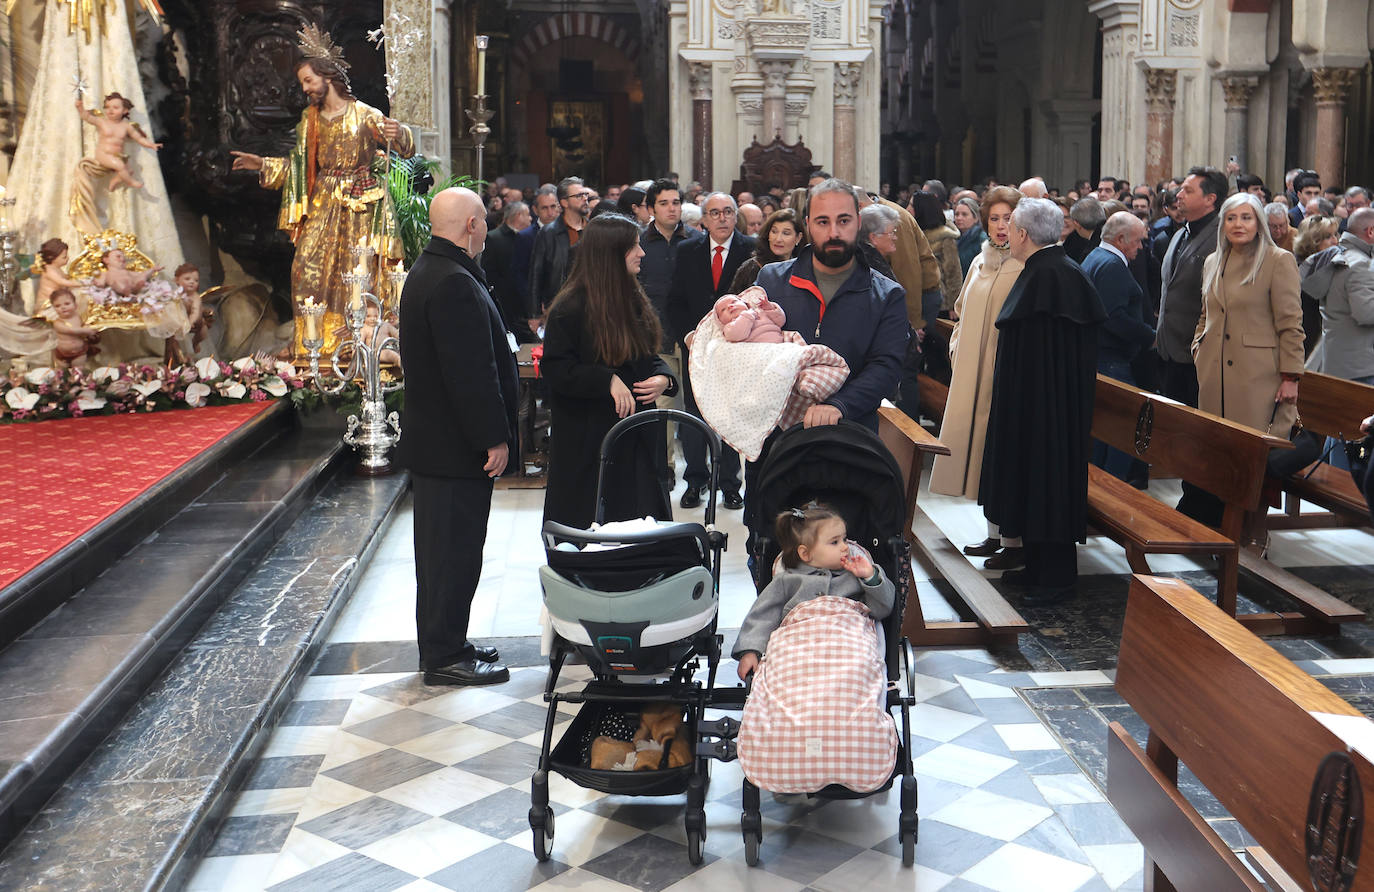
(576, 24)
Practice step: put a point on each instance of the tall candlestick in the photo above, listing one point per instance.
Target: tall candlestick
(481, 64)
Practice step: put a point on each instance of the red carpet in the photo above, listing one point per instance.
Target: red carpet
(64, 477)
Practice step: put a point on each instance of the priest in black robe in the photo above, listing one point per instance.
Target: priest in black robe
(1035, 461)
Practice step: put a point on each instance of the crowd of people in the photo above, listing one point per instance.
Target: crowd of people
(1209, 288)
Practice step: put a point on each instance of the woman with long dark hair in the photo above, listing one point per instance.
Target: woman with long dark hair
(601, 343)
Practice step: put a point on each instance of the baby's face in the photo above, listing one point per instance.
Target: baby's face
(190, 281)
(64, 305)
(830, 547)
(730, 310)
(114, 110)
(114, 259)
(371, 317)
(60, 259)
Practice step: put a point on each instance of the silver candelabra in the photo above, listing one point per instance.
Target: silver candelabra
(376, 431)
(9, 258)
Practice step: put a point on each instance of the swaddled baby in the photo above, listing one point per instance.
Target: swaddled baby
(750, 317)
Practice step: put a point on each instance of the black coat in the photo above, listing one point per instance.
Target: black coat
(550, 259)
(461, 381)
(581, 412)
(497, 260)
(1035, 461)
(693, 295)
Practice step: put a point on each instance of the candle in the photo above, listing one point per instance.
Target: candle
(312, 320)
(481, 64)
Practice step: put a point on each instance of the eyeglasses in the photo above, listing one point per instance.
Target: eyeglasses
(720, 213)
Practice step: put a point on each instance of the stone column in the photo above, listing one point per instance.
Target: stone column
(1238, 90)
(700, 75)
(1331, 86)
(775, 73)
(1160, 85)
(847, 75)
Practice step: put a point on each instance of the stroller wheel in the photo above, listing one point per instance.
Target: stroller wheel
(751, 849)
(694, 854)
(543, 836)
(908, 848)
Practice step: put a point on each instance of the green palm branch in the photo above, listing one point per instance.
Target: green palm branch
(412, 207)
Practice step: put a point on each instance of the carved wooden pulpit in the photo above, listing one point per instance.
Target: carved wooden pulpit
(776, 164)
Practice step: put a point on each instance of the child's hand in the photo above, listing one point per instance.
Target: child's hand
(857, 561)
(747, 663)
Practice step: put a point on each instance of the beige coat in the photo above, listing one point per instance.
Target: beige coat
(1248, 335)
(973, 352)
(944, 244)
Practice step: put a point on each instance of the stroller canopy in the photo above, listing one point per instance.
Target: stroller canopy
(845, 465)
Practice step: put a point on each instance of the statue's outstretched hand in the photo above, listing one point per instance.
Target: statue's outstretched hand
(246, 161)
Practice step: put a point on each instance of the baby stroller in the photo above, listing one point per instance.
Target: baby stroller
(639, 606)
(848, 468)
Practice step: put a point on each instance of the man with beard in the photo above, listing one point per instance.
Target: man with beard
(329, 188)
(552, 254)
(831, 297)
(1035, 479)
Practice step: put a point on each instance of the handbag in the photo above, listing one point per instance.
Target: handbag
(1357, 455)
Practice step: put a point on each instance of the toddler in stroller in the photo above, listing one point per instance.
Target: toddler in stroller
(819, 713)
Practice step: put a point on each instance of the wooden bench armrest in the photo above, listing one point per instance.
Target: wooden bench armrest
(945, 327)
(921, 438)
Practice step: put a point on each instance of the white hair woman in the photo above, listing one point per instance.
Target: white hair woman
(1248, 344)
(973, 354)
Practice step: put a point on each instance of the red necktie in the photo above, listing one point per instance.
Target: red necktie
(717, 264)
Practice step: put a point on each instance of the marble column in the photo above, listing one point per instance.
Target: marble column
(775, 72)
(1331, 87)
(700, 75)
(1238, 90)
(1160, 86)
(847, 75)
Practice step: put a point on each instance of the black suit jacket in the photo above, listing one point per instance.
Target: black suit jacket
(497, 259)
(693, 295)
(461, 379)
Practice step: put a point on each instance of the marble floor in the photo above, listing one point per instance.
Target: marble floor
(372, 780)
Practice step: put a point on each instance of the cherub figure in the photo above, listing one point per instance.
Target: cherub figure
(118, 278)
(75, 340)
(54, 255)
(113, 129)
(187, 277)
(376, 332)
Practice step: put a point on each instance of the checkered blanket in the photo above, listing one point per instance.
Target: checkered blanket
(817, 712)
(746, 390)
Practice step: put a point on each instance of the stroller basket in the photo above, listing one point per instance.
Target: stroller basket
(568, 756)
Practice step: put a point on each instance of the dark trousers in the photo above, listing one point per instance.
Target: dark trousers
(1180, 383)
(1051, 564)
(1367, 486)
(694, 446)
(450, 530)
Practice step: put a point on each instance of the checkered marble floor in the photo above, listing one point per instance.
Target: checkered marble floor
(371, 780)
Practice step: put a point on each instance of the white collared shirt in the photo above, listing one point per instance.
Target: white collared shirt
(715, 244)
(1113, 248)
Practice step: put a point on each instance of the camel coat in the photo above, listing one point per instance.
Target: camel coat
(973, 353)
(1247, 337)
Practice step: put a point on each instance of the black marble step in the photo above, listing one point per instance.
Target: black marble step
(24, 602)
(65, 682)
(147, 803)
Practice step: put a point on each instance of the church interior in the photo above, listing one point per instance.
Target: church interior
(208, 582)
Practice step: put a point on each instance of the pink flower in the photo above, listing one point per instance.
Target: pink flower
(258, 395)
(179, 395)
(43, 388)
(76, 412)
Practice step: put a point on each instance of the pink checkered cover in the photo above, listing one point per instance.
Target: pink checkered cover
(822, 372)
(816, 713)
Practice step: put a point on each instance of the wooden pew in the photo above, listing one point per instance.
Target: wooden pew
(1224, 458)
(994, 622)
(1239, 716)
(1329, 407)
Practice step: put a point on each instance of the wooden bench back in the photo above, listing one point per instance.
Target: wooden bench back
(1334, 407)
(1233, 710)
(1222, 457)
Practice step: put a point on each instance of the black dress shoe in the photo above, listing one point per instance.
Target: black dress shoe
(1044, 596)
(986, 548)
(1006, 559)
(733, 500)
(468, 672)
(486, 654)
(691, 498)
(1018, 577)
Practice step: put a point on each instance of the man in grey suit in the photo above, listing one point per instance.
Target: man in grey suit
(1180, 307)
(1180, 303)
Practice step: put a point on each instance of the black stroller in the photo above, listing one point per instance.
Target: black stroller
(633, 604)
(848, 468)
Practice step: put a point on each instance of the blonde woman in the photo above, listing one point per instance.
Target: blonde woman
(973, 353)
(1315, 234)
(1248, 343)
